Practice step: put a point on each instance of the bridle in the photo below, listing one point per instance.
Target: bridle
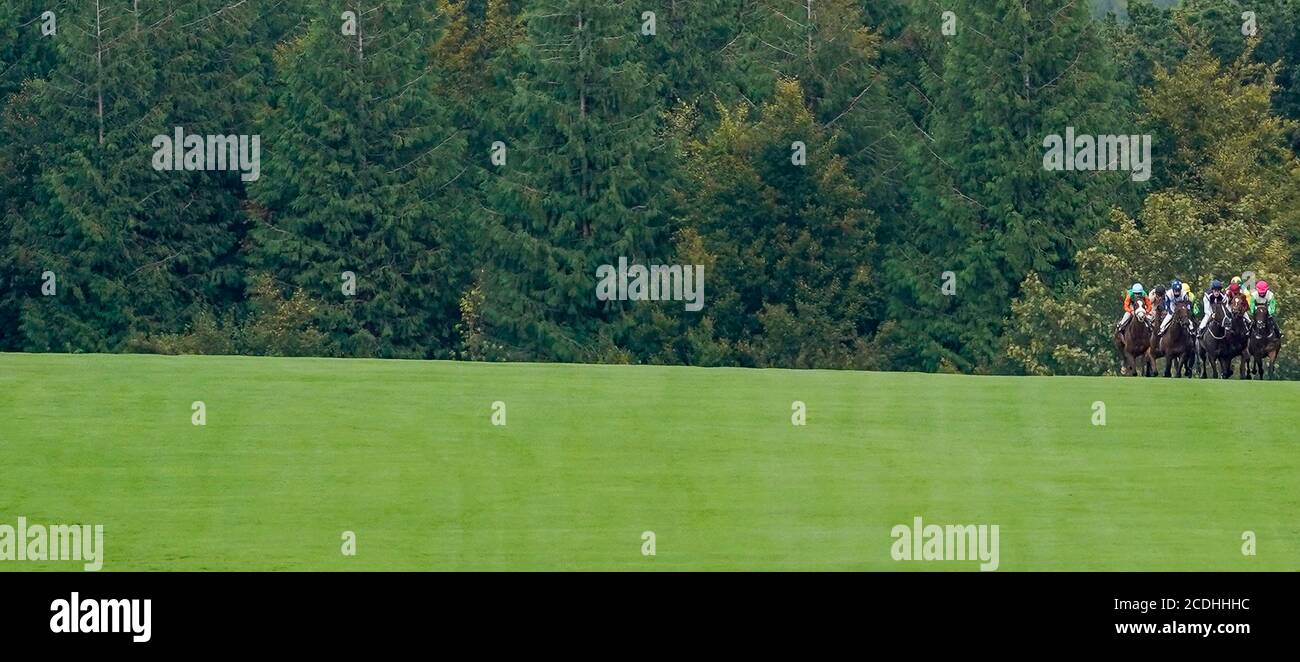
(1257, 326)
(1216, 317)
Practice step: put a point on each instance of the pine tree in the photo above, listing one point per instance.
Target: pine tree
(475, 58)
(26, 54)
(987, 212)
(694, 45)
(133, 249)
(789, 248)
(26, 51)
(833, 50)
(579, 187)
(360, 182)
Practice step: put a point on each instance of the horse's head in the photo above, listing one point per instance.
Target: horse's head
(1237, 303)
(1180, 311)
(1142, 315)
(1218, 311)
(1261, 325)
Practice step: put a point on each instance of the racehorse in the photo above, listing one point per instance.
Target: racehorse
(1216, 345)
(1239, 330)
(1178, 344)
(1157, 320)
(1134, 344)
(1264, 343)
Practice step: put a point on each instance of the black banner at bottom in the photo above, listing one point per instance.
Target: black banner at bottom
(331, 612)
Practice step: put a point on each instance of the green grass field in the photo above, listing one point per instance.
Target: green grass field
(296, 451)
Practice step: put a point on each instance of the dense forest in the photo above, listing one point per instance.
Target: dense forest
(1120, 7)
(862, 181)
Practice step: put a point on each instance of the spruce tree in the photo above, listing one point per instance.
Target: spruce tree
(134, 249)
(26, 54)
(987, 213)
(788, 244)
(579, 187)
(360, 181)
(693, 48)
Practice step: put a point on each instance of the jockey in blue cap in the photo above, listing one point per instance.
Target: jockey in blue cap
(1213, 296)
(1177, 293)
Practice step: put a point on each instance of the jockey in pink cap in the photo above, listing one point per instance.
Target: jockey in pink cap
(1265, 297)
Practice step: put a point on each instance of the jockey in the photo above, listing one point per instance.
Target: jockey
(1240, 286)
(1246, 291)
(1213, 296)
(1265, 297)
(1158, 299)
(1236, 289)
(1176, 295)
(1134, 299)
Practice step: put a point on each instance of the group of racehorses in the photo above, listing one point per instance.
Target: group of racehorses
(1233, 332)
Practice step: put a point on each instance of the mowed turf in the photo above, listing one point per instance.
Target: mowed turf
(297, 451)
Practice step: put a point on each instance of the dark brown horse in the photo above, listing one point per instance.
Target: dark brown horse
(1216, 345)
(1134, 344)
(1157, 321)
(1264, 344)
(1177, 344)
(1239, 330)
